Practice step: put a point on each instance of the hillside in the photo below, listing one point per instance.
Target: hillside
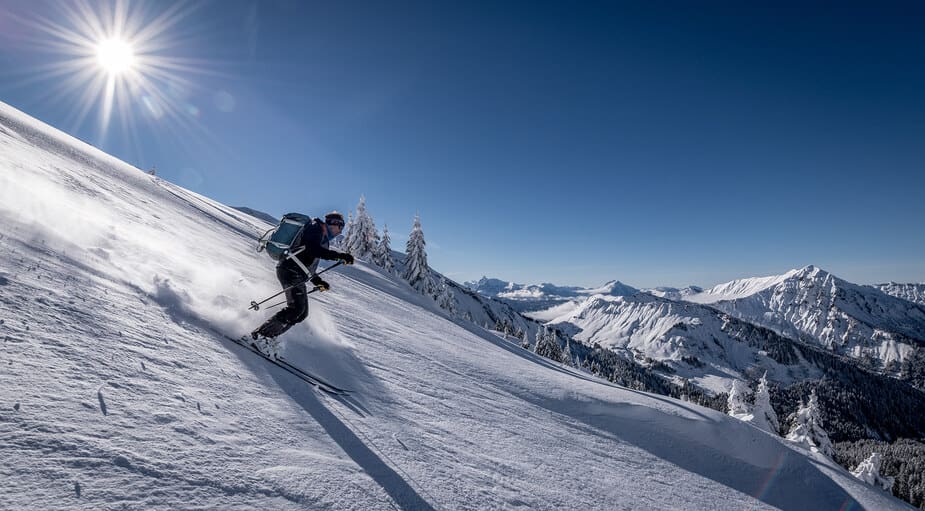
(118, 389)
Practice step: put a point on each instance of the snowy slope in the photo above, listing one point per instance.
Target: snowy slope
(117, 389)
(816, 306)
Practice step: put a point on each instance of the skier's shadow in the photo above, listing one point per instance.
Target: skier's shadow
(402, 493)
(769, 471)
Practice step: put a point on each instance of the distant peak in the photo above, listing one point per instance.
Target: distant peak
(811, 271)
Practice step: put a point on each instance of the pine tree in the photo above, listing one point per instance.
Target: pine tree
(737, 403)
(524, 342)
(348, 233)
(383, 255)
(807, 428)
(445, 298)
(548, 346)
(764, 415)
(565, 356)
(364, 238)
(417, 273)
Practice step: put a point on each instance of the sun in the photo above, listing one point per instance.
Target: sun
(115, 55)
(120, 58)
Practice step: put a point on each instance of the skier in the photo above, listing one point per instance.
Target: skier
(314, 244)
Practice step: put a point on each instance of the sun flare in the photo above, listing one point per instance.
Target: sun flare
(115, 56)
(120, 59)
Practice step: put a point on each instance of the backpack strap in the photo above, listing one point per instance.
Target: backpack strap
(292, 255)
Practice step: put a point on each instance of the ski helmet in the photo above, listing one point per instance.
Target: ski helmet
(334, 218)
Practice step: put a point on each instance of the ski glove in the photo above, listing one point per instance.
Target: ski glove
(320, 284)
(346, 258)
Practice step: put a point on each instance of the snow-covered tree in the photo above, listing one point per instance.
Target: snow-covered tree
(417, 273)
(807, 428)
(363, 238)
(737, 403)
(347, 234)
(445, 298)
(764, 415)
(524, 341)
(761, 414)
(383, 254)
(565, 356)
(547, 345)
(869, 472)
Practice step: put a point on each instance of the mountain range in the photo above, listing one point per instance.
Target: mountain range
(535, 297)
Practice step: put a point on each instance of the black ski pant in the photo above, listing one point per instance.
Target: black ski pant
(296, 310)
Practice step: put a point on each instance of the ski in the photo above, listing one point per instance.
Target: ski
(309, 378)
(306, 374)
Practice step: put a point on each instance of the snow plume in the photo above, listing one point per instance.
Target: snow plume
(807, 428)
(88, 216)
(869, 472)
(174, 300)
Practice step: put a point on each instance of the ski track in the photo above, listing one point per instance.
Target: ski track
(117, 390)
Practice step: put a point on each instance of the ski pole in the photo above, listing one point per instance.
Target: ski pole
(256, 305)
(316, 288)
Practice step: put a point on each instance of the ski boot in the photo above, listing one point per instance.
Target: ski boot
(269, 346)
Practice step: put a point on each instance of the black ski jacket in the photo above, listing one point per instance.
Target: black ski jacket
(316, 245)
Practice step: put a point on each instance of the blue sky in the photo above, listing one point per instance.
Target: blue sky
(658, 143)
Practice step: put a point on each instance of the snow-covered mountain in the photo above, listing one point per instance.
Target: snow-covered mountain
(912, 292)
(118, 389)
(266, 217)
(813, 305)
(537, 297)
(673, 293)
(704, 345)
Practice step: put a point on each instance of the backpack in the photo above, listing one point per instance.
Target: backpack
(278, 240)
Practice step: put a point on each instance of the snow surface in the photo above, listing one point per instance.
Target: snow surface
(118, 390)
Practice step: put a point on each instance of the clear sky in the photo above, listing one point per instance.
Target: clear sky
(657, 143)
